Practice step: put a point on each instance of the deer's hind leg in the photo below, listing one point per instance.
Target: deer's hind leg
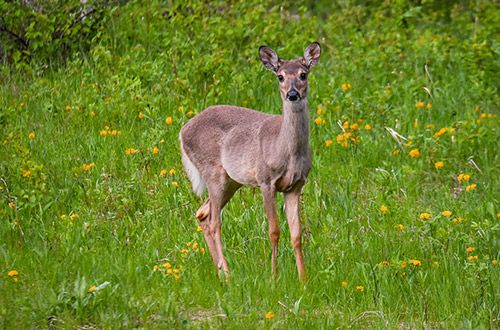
(220, 190)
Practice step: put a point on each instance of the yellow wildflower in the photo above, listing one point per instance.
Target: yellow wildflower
(68, 107)
(319, 111)
(74, 215)
(344, 284)
(318, 120)
(400, 226)
(172, 171)
(13, 273)
(92, 288)
(155, 267)
(31, 136)
(155, 150)
(328, 143)
(383, 208)
(424, 216)
(439, 165)
(414, 153)
(141, 115)
(466, 177)
(199, 228)
(169, 120)
(416, 263)
(63, 216)
(92, 113)
(472, 258)
(460, 177)
(470, 249)
(163, 172)
(167, 265)
(429, 105)
(360, 288)
(269, 315)
(130, 151)
(175, 184)
(190, 113)
(446, 213)
(368, 127)
(494, 262)
(169, 271)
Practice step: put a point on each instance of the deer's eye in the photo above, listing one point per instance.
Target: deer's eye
(280, 78)
(303, 76)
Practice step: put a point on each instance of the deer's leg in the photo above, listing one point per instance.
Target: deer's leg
(220, 192)
(269, 196)
(203, 214)
(292, 215)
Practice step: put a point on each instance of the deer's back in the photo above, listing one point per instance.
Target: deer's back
(226, 136)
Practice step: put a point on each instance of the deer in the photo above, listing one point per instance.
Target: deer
(226, 147)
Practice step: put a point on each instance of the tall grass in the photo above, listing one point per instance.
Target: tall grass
(103, 236)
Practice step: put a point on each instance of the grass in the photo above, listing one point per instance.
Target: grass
(98, 242)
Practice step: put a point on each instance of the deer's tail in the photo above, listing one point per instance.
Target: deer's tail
(197, 181)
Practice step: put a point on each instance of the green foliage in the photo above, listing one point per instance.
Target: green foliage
(95, 221)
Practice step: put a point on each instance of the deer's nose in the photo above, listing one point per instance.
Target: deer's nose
(292, 95)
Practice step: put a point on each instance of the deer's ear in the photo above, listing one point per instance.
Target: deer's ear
(269, 58)
(311, 55)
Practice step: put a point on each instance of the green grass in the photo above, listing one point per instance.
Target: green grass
(131, 217)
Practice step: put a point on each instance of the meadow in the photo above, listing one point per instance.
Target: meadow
(400, 215)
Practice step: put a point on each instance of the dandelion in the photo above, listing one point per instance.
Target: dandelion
(12, 205)
(318, 120)
(169, 271)
(494, 262)
(162, 141)
(328, 143)
(172, 172)
(168, 120)
(130, 151)
(15, 279)
(446, 213)
(103, 132)
(403, 264)
(439, 165)
(414, 153)
(26, 174)
(141, 115)
(155, 267)
(467, 177)
(435, 264)
(395, 152)
(498, 215)
(319, 111)
(74, 215)
(176, 277)
(470, 258)
(360, 288)
(416, 263)
(419, 104)
(86, 227)
(176, 271)
(92, 113)
(385, 263)
(13, 273)
(175, 184)
(424, 216)
(63, 216)
(471, 187)
(368, 127)
(166, 265)
(190, 113)
(202, 250)
(92, 288)
(470, 249)
(163, 172)
(199, 228)
(344, 87)
(460, 177)
(68, 107)
(429, 106)
(400, 226)
(269, 316)
(383, 208)
(155, 150)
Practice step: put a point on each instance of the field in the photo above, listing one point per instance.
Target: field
(400, 215)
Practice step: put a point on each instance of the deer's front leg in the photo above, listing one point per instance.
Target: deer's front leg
(269, 195)
(292, 215)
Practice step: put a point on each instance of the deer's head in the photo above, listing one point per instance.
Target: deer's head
(292, 75)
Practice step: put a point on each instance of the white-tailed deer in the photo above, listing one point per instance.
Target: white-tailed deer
(226, 147)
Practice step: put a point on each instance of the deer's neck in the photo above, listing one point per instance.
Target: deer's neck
(294, 131)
